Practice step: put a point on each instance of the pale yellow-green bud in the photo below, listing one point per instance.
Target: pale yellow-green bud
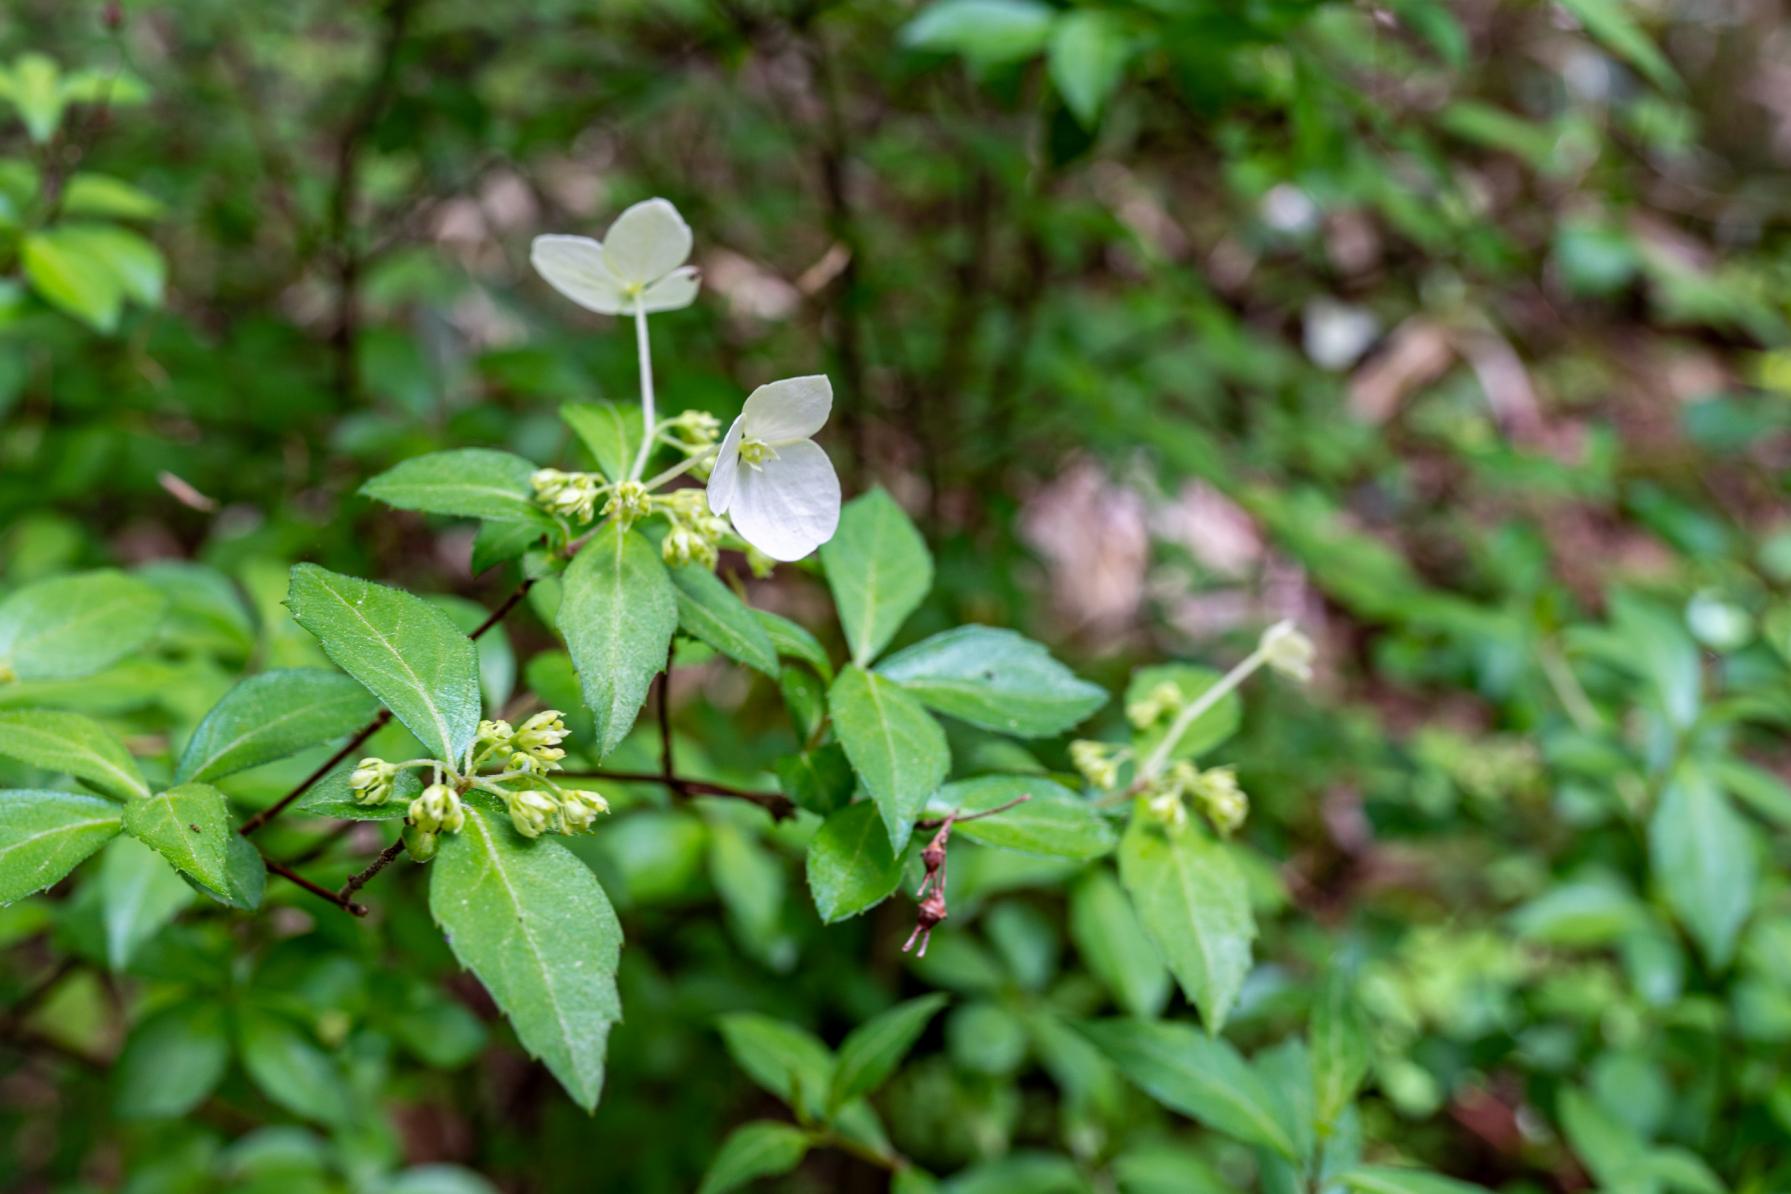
(371, 781)
(1097, 761)
(1288, 651)
(438, 810)
(1163, 700)
(629, 502)
(420, 843)
(572, 495)
(1222, 800)
(1167, 807)
(539, 739)
(755, 452)
(760, 563)
(494, 733)
(695, 429)
(579, 809)
(533, 813)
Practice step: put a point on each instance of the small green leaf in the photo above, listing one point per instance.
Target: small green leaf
(468, 483)
(532, 922)
(879, 570)
(995, 679)
(794, 642)
(404, 650)
(1087, 56)
(36, 90)
(1053, 821)
(73, 745)
(67, 275)
(1610, 22)
(1704, 857)
(72, 626)
(172, 1061)
(819, 780)
(271, 716)
(1198, 1076)
(90, 194)
(1194, 904)
(850, 864)
(331, 797)
(1113, 943)
(1204, 732)
(45, 835)
(898, 750)
(990, 31)
(190, 827)
(136, 264)
(499, 542)
(872, 1051)
(1339, 1048)
(139, 894)
(618, 615)
(785, 1060)
(752, 1151)
(291, 1069)
(709, 611)
(611, 433)
(1385, 1179)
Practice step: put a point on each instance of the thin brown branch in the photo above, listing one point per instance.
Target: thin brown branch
(775, 803)
(360, 879)
(318, 890)
(960, 818)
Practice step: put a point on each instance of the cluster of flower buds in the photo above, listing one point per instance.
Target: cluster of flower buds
(692, 432)
(629, 502)
(569, 495)
(1214, 790)
(536, 745)
(438, 810)
(1287, 650)
(1163, 700)
(371, 781)
(1098, 761)
(695, 535)
(537, 811)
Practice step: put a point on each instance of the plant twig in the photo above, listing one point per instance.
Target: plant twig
(321, 892)
(359, 879)
(775, 803)
(931, 893)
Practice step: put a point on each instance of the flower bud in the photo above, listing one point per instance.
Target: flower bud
(695, 429)
(420, 844)
(1167, 807)
(533, 813)
(572, 495)
(1097, 761)
(371, 781)
(1161, 701)
(1287, 650)
(438, 810)
(494, 733)
(579, 809)
(539, 740)
(1222, 800)
(629, 502)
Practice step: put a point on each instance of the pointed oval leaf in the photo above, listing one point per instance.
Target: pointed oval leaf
(404, 650)
(172, 1061)
(271, 716)
(611, 433)
(1053, 821)
(45, 835)
(879, 570)
(1112, 941)
(618, 614)
(708, 610)
(1703, 856)
(74, 745)
(292, 1069)
(872, 1051)
(995, 679)
(466, 482)
(139, 894)
(190, 827)
(752, 1151)
(71, 626)
(896, 747)
(850, 864)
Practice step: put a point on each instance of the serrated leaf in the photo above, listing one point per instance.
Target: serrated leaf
(532, 922)
(139, 895)
(1113, 943)
(850, 864)
(611, 433)
(72, 626)
(872, 1051)
(794, 642)
(1703, 856)
(995, 679)
(879, 570)
(1200, 1077)
(1194, 904)
(709, 611)
(466, 482)
(752, 1151)
(172, 1061)
(45, 835)
(190, 826)
(73, 745)
(898, 750)
(618, 614)
(271, 716)
(405, 651)
(1053, 822)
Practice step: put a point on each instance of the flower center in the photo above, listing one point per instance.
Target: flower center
(756, 452)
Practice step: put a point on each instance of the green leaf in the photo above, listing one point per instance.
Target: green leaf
(206, 613)
(850, 864)
(1610, 22)
(499, 542)
(271, 716)
(618, 614)
(879, 570)
(67, 275)
(190, 827)
(1385, 1179)
(404, 650)
(136, 264)
(90, 194)
(1702, 854)
(819, 780)
(1584, 914)
(898, 751)
(610, 432)
(995, 679)
(331, 797)
(1053, 822)
(139, 894)
(794, 642)
(785, 1060)
(1200, 1077)
(751, 1151)
(172, 1061)
(1113, 943)
(1194, 904)
(71, 626)
(290, 1068)
(708, 610)
(1087, 56)
(532, 922)
(468, 483)
(45, 835)
(1204, 732)
(989, 31)
(872, 1051)
(35, 88)
(74, 745)
(1339, 1048)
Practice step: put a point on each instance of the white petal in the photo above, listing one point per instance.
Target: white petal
(647, 242)
(677, 289)
(791, 409)
(789, 506)
(573, 265)
(727, 469)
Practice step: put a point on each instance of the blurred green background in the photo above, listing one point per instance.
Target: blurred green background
(1455, 330)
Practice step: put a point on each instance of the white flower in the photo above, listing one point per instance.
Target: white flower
(772, 479)
(1287, 650)
(642, 254)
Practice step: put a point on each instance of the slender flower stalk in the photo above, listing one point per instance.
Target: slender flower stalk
(1159, 758)
(648, 417)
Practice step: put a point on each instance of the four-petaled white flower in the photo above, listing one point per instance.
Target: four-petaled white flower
(772, 479)
(641, 258)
